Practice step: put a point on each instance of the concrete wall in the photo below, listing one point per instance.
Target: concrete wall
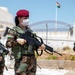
(57, 39)
(56, 64)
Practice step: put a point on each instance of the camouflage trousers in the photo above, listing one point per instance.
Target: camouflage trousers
(27, 66)
(2, 63)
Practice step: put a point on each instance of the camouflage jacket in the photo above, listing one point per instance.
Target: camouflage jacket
(18, 49)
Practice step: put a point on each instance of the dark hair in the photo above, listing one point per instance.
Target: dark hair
(16, 21)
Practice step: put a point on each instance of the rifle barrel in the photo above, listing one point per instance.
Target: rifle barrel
(57, 53)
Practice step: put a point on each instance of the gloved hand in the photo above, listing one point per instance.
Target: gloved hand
(21, 41)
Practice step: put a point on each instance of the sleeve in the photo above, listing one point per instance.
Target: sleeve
(9, 43)
(11, 38)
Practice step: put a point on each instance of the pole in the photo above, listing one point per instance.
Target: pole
(46, 33)
(56, 20)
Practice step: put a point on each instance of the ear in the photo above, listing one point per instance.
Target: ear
(19, 18)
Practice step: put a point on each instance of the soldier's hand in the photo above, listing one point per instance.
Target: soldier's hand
(42, 47)
(9, 44)
(21, 41)
(1, 58)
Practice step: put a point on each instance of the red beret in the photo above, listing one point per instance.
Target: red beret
(22, 13)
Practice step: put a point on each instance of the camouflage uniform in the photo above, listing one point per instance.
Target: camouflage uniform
(2, 61)
(1, 64)
(25, 62)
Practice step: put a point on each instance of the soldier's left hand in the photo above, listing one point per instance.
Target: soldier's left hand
(42, 47)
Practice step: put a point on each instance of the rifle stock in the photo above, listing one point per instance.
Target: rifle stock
(6, 31)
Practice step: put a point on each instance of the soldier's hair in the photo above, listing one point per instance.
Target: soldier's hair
(16, 21)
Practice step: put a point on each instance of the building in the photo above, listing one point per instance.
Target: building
(6, 19)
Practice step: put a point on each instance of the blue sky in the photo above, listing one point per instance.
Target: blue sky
(41, 10)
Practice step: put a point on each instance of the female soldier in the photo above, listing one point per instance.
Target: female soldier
(25, 62)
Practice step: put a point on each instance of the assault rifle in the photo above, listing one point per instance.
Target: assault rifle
(2, 47)
(74, 47)
(32, 40)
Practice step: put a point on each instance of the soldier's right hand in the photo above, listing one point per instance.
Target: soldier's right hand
(21, 41)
